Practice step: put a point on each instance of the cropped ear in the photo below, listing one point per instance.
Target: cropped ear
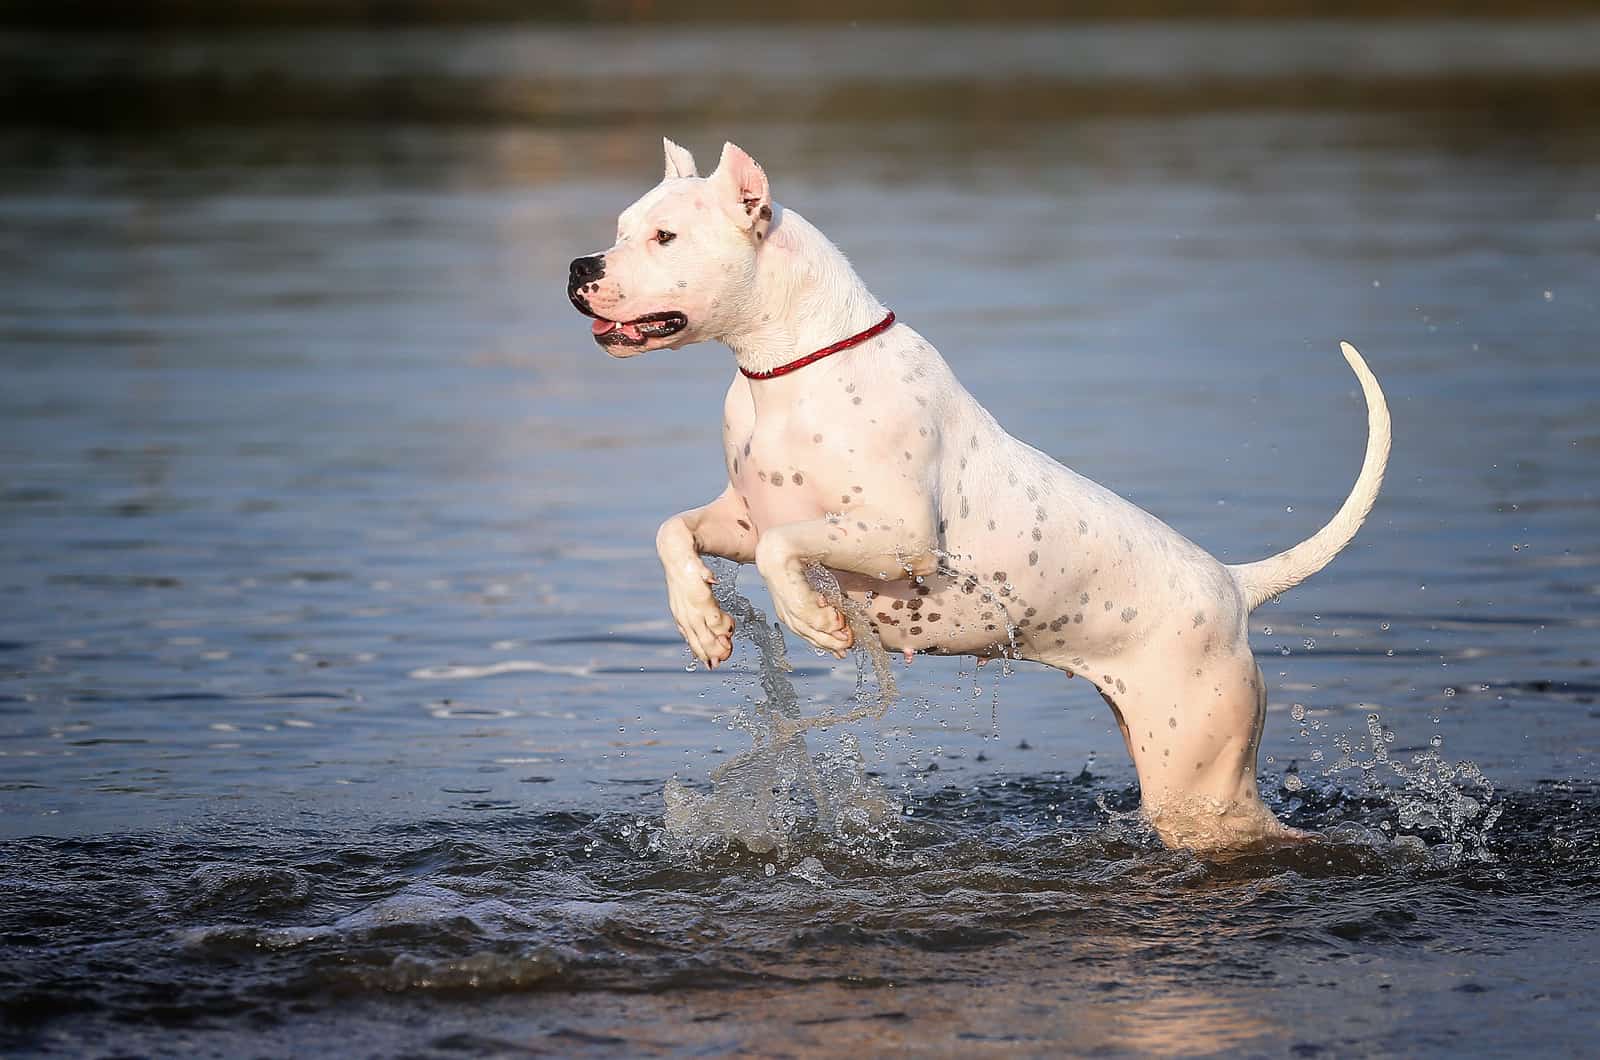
(744, 190)
(680, 163)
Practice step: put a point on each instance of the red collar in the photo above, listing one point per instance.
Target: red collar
(843, 344)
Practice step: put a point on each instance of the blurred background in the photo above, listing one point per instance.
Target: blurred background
(334, 655)
(296, 416)
(139, 13)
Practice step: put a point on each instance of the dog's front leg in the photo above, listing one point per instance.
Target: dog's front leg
(887, 549)
(721, 528)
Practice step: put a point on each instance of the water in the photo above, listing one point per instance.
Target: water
(338, 698)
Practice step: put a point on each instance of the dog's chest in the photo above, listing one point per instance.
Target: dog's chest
(787, 471)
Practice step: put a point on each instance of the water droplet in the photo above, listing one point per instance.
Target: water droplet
(1449, 691)
(770, 869)
(1298, 712)
(1383, 625)
(1293, 782)
(1267, 630)
(1288, 507)
(1436, 740)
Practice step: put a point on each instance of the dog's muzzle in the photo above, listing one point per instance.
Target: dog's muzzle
(582, 275)
(586, 270)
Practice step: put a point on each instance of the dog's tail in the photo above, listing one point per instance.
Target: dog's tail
(1264, 579)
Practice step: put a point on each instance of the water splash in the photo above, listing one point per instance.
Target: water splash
(1452, 803)
(764, 798)
(1127, 825)
(950, 565)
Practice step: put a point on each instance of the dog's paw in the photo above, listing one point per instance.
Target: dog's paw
(813, 619)
(705, 627)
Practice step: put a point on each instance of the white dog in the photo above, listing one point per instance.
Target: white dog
(849, 443)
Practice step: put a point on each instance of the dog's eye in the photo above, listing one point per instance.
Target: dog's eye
(664, 237)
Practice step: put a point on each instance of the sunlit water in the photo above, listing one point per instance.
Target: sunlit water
(339, 706)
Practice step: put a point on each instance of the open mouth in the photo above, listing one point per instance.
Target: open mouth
(638, 332)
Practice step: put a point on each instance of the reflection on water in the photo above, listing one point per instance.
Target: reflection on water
(1003, 915)
(336, 684)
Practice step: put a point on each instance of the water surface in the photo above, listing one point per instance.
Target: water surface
(337, 690)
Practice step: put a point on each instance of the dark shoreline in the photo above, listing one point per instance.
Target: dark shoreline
(173, 14)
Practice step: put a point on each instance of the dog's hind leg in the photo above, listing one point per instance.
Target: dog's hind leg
(1193, 735)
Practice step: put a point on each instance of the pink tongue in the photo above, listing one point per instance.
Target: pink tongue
(606, 327)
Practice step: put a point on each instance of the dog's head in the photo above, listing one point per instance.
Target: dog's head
(684, 264)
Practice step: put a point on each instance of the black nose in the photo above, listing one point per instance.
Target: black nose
(586, 270)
